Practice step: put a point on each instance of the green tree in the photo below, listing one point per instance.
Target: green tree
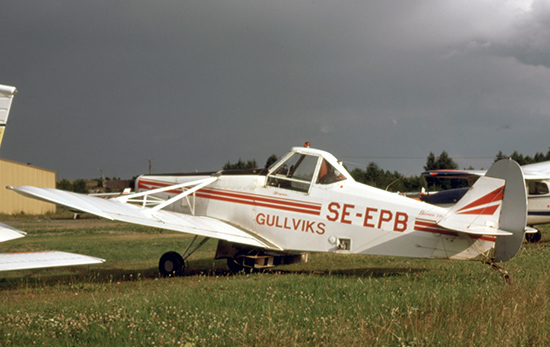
(64, 184)
(79, 186)
(374, 176)
(430, 162)
(525, 159)
(240, 164)
(443, 162)
(271, 160)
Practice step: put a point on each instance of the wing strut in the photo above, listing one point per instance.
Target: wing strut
(199, 184)
(184, 194)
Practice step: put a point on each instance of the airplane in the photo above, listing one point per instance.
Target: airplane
(6, 96)
(30, 260)
(537, 182)
(308, 202)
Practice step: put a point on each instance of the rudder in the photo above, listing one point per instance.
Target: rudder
(513, 215)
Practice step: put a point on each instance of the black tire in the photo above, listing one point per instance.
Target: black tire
(533, 238)
(171, 264)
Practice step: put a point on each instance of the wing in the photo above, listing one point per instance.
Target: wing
(35, 260)
(538, 171)
(454, 173)
(120, 210)
(9, 233)
(6, 97)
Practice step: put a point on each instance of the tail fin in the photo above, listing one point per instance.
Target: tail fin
(496, 205)
(513, 215)
(6, 97)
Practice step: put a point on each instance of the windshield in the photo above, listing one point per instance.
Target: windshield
(295, 173)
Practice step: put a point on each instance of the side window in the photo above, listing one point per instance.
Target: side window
(296, 173)
(538, 188)
(328, 174)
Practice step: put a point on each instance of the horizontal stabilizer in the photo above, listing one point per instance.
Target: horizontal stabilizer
(476, 230)
(117, 209)
(36, 260)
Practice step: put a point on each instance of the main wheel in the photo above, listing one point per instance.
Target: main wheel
(534, 238)
(171, 264)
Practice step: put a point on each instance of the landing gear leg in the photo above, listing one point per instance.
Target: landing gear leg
(173, 264)
(507, 278)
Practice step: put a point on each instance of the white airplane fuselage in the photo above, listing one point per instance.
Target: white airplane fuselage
(538, 205)
(345, 216)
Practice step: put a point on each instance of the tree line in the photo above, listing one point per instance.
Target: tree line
(372, 175)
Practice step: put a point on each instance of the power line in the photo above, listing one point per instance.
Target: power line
(371, 157)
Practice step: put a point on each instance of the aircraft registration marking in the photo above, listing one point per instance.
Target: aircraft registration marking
(371, 218)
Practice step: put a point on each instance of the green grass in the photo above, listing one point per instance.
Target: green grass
(334, 300)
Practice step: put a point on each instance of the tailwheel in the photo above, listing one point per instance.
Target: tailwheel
(171, 264)
(505, 275)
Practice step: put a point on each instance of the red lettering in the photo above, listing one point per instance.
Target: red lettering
(345, 213)
(333, 208)
(309, 227)
(277, 223)
(321, 228)
(369, 217)
(291, 224)
(285, 224)
(385, 216)
(401, 220)
(272, 223)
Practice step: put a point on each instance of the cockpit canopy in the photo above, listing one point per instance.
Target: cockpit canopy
(303, 167)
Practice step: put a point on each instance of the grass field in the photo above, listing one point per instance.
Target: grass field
(334, 300)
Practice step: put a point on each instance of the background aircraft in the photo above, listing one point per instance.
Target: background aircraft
(32, 260)
(6, 96)
(537, 182)
(308, 202)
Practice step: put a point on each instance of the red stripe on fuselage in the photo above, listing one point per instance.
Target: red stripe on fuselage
(260, 200)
